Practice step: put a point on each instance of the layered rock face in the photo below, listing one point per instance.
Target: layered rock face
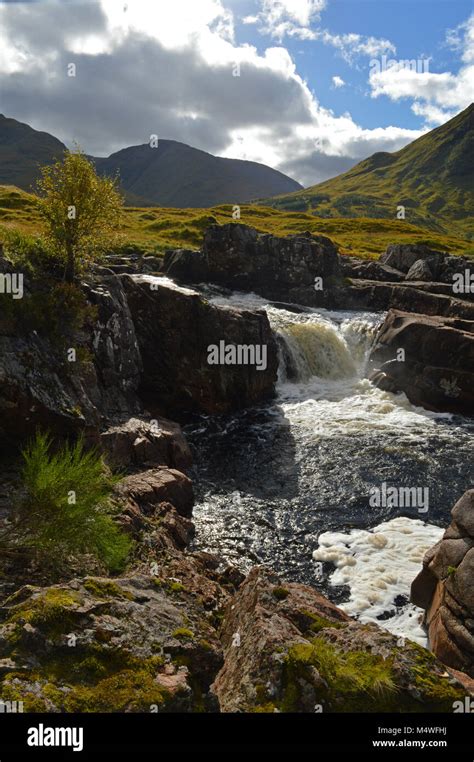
(411, 277)
(430, 358)
(238, 257)
(41, 388)
(444, 588)
(161, 349)
(420, 262)
(175, 330)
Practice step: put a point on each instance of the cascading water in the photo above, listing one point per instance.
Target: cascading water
(278, 483)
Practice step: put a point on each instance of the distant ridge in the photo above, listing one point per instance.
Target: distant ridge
(173, 174)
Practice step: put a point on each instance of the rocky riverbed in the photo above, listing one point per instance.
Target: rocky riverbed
(184, 629)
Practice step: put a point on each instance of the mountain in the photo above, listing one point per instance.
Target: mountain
(22, 149)
(173, 174)
(432, 177)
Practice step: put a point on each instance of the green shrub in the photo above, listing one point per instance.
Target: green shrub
(58, 313)
(30, 254)
(66, 510)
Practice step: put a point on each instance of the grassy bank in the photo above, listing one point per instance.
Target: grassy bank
(156, 229)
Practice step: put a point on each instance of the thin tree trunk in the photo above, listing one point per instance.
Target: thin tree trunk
(70, 269)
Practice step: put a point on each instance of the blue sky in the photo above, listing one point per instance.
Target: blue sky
(307, 100)
(416, 27)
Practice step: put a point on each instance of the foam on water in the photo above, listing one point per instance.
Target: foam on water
(379, 565)
(163, 280)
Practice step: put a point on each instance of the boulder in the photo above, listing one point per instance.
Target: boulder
(436, 370)
(137, 442)
(463, 514)
(175, 329)
(288, 649)
(444, 589)
(402, 256)
(238, 257)
(148, 489)
(353, 267)
(420, 270)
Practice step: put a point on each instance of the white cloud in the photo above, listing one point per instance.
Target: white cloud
(352, 45)
(432, 115)
(279, 18)
(338, 81)
(136, 77)
(436, 96)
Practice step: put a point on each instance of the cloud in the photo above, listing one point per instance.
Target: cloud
(338, 81)
(436, 96)
(279, 18)
(136, 76)
(352, 45)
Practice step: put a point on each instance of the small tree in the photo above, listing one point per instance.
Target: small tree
(81, 211)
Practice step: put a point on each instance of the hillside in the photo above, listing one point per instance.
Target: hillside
(173, 174)
(22, 150)
(157, 229)
(433, 177)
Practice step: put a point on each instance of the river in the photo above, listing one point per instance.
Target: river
(288, 483)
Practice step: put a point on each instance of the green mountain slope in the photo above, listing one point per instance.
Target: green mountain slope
(171, 175)
(433, 178)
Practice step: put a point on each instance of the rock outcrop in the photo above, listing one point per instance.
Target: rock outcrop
(420, 262)
(175, 329)
(430, 358)
(353, 267)
(238, 257)
(39, 387)
(144, 642)
(287, 649)
(148, 488)
(137, 443)
(138, 644)
(410, 277)
(100, 390)
(444, 589)
(403, 256)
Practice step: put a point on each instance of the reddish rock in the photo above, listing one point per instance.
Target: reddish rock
(138, 442)
(444, 589)
(150, 488)
(437, 370)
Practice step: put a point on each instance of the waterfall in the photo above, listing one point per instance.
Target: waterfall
(323, 349)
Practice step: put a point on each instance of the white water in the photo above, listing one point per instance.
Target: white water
(378, 565)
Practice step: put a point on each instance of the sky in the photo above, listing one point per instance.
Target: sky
(308, 87)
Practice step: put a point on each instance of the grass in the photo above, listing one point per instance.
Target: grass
(153, 230)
